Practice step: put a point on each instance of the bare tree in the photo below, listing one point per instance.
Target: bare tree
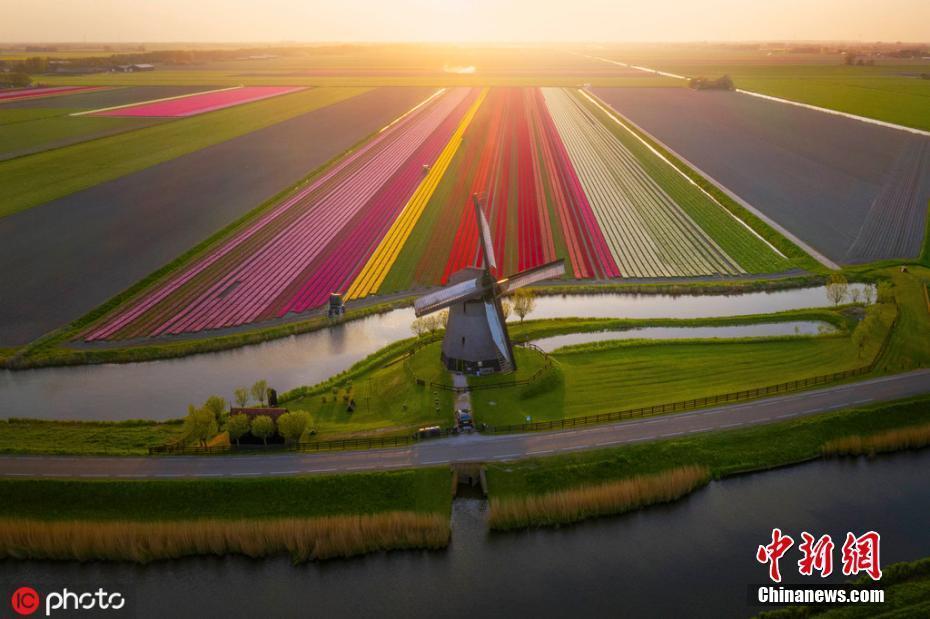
(242, 396)
(524, 302)
(837, 288)
(418, 326)
(506, 308)
(259, 390)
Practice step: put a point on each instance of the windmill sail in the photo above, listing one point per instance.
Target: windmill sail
(487, 247)
(549, 270)
(450, 295)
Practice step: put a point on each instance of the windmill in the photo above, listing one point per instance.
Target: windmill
(476, 340)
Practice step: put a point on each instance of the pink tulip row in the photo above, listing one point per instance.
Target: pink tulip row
(292, 257)
(200, 103)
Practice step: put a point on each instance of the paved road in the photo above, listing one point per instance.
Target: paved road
(477, 447)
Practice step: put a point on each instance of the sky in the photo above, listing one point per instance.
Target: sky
(461, 20)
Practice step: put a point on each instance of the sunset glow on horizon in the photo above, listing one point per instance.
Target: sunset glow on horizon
(462, 20)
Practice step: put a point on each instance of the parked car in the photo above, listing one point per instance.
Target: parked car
(429, 431)
(463, 420)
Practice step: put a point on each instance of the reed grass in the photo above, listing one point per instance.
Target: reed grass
(575, 504)
(909, 437)
(304, 539)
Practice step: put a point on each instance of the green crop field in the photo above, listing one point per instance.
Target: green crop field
(76, 167)
(27, 131)
(24, 436)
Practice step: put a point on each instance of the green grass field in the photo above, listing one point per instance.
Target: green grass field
(30, 130)
(725, 453)
(388, 401)
(76, 167)
(615, 375)
(420, 490)
(25, 436)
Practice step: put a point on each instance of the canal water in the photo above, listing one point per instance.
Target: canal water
(769, 329)
(163, 389)
(691, 558)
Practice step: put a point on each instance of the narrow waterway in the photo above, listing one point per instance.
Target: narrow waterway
(692, 558)
(163, 389)
(767, 329)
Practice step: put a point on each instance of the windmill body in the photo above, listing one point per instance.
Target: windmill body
(476, 339)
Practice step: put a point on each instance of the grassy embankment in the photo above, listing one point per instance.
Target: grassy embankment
(553, 490)
(111, 438)
(907, 594)
(607, 376)
(76, 167)
(312, 517)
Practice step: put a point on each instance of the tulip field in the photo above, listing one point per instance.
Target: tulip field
(395, 215)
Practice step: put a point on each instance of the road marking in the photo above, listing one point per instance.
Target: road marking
(283, 472)
(731, 425)
(244, 474)
(541, 451)
(324, 470)
(208, 474)
(864, 401)
(435, 462)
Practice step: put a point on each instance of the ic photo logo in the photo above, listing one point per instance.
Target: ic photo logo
(26, 600)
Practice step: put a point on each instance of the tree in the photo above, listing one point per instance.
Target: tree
(216, 405)
(259, 389)
(506, 308)
(837, 287)
(200, 424)
(524, 302)
(263, 428)
(442, 319)
(418, 326)
(237, 426)
(242, 396)
(291, 426)
(868, 294)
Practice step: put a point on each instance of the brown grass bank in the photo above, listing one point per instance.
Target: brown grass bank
(575, 504)
(910, 437)
(304, 539)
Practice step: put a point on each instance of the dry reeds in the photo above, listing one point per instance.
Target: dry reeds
(910, 437)
(615, 497)
(303, 538)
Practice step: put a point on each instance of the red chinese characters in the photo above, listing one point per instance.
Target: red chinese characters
(773, 552)
(818, 555)
(860, 554)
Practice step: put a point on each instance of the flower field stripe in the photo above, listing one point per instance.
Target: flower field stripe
(577, 217)
(284, 256)
(37, 93)
(99, 111)
(198, 103)
(648, 233)
(376, 269)
(239, 279)
(369, 232)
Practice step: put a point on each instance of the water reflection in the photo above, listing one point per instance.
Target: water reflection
(790, 328)
(163, 389)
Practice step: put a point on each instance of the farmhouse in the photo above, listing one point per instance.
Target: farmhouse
(133, 68)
